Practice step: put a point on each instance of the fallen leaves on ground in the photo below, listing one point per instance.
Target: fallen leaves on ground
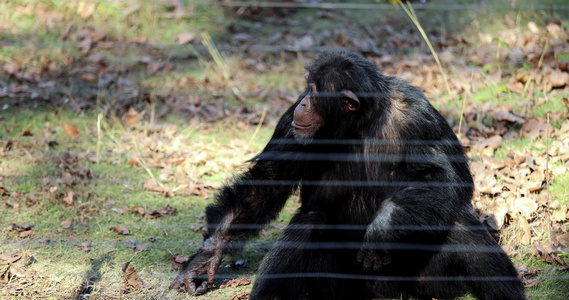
(235, 282)
(131, 278)
(23, 229)
(70, 130)
(177, 261)
(152, 214)
(120, 229)
(18, 275)
(241, 295)
(153, 185)
(9, 258)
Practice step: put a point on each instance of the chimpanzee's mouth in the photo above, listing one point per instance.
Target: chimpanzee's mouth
(300, 126)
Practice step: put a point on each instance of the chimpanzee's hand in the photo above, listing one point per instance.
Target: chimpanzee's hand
(372, 258)
(205, 261)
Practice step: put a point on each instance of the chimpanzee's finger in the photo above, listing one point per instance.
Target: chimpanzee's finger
(211, 272)
(176, 284)
(200, 289)
(377, 265)
(361, 256)
(190, 285)
(368, 261)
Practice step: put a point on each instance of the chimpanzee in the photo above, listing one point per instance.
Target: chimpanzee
(385, 194)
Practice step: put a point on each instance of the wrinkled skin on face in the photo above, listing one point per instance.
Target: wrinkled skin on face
(306, 118)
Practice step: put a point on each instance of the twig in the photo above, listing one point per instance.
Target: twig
(258, 127)
(143, 163)
(411, 13)
(217, 58)
(99, 133)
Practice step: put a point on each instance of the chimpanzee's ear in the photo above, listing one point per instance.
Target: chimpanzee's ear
(350, 99)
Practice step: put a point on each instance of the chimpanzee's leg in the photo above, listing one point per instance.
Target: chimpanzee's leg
(413, 235)
(305, 258)
(470, 261)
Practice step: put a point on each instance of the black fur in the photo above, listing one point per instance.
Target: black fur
(385, 194)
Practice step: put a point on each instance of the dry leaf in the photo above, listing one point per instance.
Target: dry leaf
(89, 77)
(66, 178)
(70, 130)
(516, 87)
(130, 10)
(133, 282)
(130, 118)
(508, 116)
(559, 215)
(130, 244)
(525, 206)
(120, 229)
(533, 28)
(235, 283)
(9, 258)
(241, 295)
(68, 198)
(536, 128)
(26, 233)
(142, 247)
(21, 226)
(185, 38)
(86, 9)
(152, 184)
(488, 146)
(4, 191)
(66, 224)
(558, 78)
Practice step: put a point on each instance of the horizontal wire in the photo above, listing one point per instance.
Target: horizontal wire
(165, 244)
(504, 5)
(274, 48)
(382, 6)
(359, 157)
(221, 276)
(259, 182)
(251, 226)
(284, 141)
(388, 278)
(352, 183)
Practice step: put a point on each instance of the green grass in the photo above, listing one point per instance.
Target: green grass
(115, 185)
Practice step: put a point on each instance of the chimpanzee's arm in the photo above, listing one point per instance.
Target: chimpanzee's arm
(257, 196)
(253, 200)
(242, 208)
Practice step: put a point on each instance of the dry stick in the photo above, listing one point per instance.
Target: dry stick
(220, 63)
(547, 174)
(143, 163)
(258, 127)
(411, 13)
(99, 117)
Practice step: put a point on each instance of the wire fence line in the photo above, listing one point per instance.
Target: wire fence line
(396, 246)
(343, 183)
(373, 277)
(201, 49)
(249, 226)
(386, 6)
(281, 141)
(307, 4)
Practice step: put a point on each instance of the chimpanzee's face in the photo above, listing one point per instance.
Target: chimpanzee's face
(308, 118)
